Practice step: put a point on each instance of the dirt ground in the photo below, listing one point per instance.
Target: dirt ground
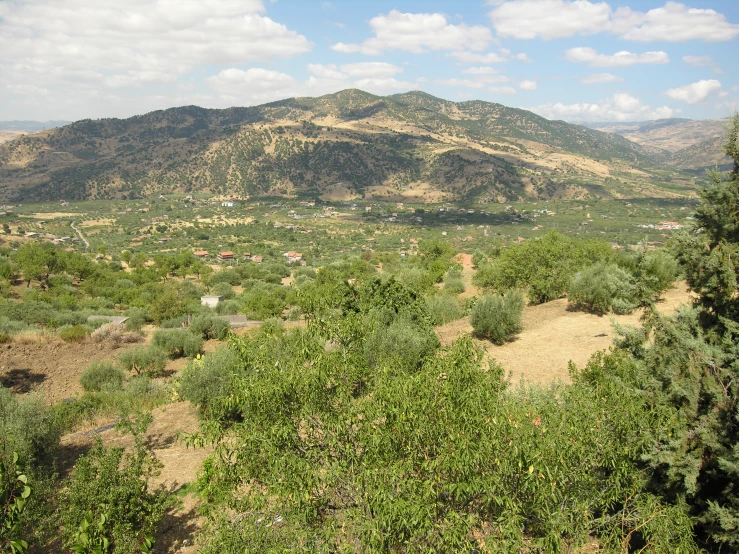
(51, 368)
(552, 336)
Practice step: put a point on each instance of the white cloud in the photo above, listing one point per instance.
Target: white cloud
(551, 19)
(505, 91)
(466, 83)
(256, 84)
(703, 61)
(620, 107)
(479, 71)
(699, 61)
(418, 33)
(330, 71)
(139, 40)
(674, 22)
(527, 85)
(522, 58)
(600, 78)
(371, 70)
(695, 92)
(619, 59)
(472, 57)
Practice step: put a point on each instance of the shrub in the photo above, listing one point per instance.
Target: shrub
(73, 333)
(401, 345)
(102, 376)
(209, 327)
(177, 343)
(498, 318)
(208, 380)
(114, 484)
(136, 318)
(453, 285)
(27, 427)
(223, 289)
(545, 266)
(657, 272)
(602, 288)
(443, 309)
(143, 360)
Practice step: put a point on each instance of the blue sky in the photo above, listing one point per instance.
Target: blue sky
(575, 60)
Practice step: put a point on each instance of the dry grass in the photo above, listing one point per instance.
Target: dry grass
(553, 336)
(113, 333)
(35, 336)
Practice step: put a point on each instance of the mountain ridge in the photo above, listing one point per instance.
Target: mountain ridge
(372, 145)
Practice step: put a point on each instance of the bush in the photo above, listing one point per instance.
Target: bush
(136, 318)
(102, 376)
(209, 327)
(177, 343)
(114, 484)
(27, 427)
(143, 360)
(223, 289)
(498, 318)
(602, 288)
(402, 345)
(73, 333)
(443, 309)
(206, 381)
(657, 272)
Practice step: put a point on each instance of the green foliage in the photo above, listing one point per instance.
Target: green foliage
(545, 266)
(27, 427)
(102, 376)
(209, 327)
(14, 494)
(90, 536)
(603, 288)
(73, 333)
(208, 380)
(178, 343)
(443, 309)
(399, 343)
(109, 490)
(498, 318)
(148, 360)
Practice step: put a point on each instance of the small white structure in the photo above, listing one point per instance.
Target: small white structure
(210, 300)
(227, 204)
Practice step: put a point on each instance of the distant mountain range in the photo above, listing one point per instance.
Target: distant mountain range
(31, 126)
(685, 143)
(344, 145)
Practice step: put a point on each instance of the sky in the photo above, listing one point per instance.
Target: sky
(577, 60)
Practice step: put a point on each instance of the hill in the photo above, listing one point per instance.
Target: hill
(31, 126)
(341, 145)
(686, 143)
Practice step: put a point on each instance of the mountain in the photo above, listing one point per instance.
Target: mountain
(10, 130)
(685, 143)
(340, 145)
(31, 126)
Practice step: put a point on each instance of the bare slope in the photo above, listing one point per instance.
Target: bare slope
(366, 143)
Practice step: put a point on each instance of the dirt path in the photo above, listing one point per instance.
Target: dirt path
(82, 237)
(552, 336)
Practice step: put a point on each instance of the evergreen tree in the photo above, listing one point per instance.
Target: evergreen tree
(695, 365)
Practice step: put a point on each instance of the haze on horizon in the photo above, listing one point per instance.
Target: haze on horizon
(573, 60)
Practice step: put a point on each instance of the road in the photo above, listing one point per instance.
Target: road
(87, 244)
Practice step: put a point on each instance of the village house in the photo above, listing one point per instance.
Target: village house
(293, 257)
(200, 254)
(225, 256)
(257, 259)
(210, 300)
